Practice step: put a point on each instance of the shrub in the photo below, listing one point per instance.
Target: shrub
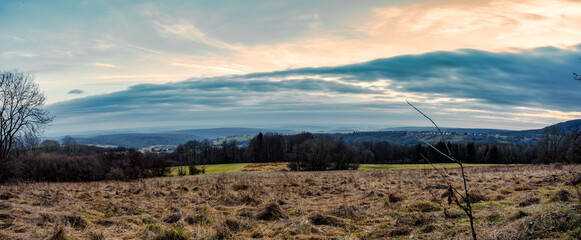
(157, 164)
(55, 167)
(194, 170)
(125, 164)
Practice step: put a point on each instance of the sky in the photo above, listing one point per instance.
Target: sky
(112, 65)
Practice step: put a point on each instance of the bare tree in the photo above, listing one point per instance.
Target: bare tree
(552, 145)
(20, 107)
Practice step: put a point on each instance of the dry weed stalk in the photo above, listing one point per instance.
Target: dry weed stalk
(467, 208)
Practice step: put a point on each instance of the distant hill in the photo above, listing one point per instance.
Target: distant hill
(414, 135)
(137, 140)
(399, 135)
(141, 140)
(568, 126)
(433, 129)
(215, 133)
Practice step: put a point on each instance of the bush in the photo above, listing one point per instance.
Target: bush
(194, 170)
(125, 164)
(55, 167)
(157, 164)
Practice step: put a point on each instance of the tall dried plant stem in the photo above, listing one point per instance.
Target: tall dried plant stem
(468, 208)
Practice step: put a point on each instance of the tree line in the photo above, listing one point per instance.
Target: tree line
(68, 161)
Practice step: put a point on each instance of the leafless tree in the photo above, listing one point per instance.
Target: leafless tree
(453, 193)
(20, 107)
(552, 145)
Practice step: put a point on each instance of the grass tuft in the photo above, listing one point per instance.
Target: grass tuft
(561, 196)
(59, 235)
(271, 212)
(423, 207)
(171, 235)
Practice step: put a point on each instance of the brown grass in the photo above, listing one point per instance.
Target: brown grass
(266, 167)
(364, 204)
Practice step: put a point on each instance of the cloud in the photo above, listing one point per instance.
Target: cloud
(234, 69)
(190, 32)
(466, 87)
(76, 91)
(107, 65)
(458, 23)
(538, 77)
(203, 38)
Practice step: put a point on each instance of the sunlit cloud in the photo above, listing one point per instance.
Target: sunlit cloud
(497, 24)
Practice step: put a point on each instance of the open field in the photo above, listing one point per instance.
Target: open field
(513, 202)
(215, 168)
(422, 166)
(282, 166)
(239, 167)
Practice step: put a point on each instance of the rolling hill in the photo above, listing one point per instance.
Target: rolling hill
(400, 135)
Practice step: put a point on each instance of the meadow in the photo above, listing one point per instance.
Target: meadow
(510, 202)
(282, 166)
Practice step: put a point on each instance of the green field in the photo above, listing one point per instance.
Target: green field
(420, 166)
(216, 168)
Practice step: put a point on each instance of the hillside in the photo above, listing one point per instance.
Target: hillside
(141, 140)
(137, 140)
(400, 135)
(414, 135)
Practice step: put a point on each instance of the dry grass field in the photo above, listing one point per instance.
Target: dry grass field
(515, 202)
